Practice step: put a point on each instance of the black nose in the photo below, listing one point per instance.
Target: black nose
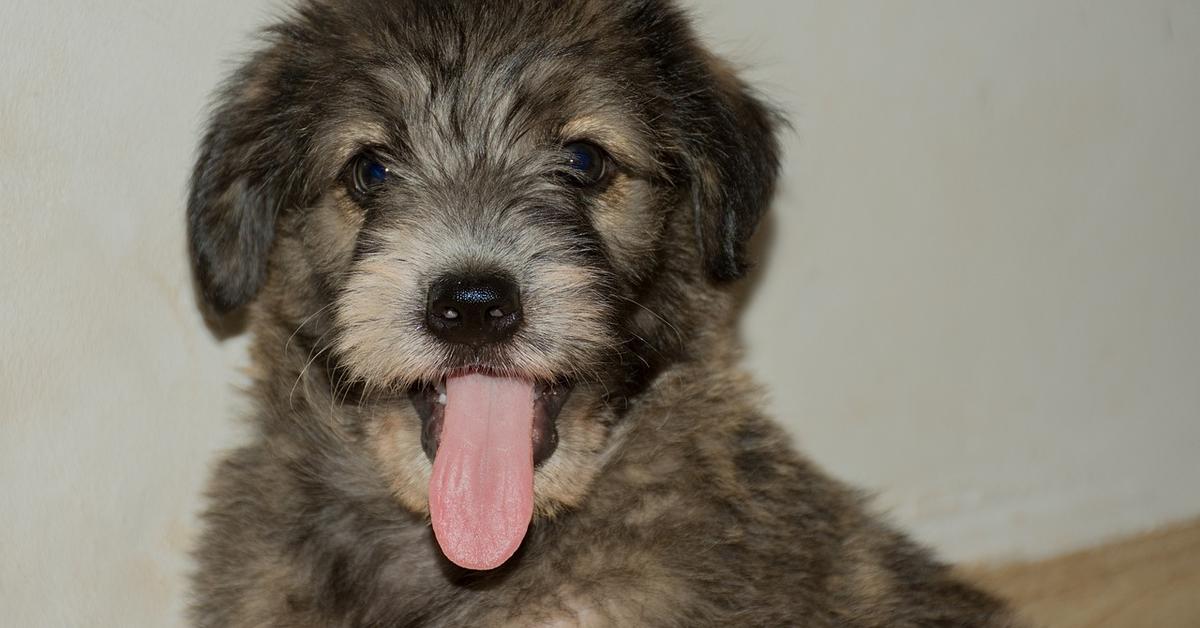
(473, 310)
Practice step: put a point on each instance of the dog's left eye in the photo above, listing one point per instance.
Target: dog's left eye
(588, 163)
(365, 175)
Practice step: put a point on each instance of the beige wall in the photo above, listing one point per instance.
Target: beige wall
(981, 298)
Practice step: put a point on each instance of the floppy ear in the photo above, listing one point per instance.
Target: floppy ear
(733, 161)
(234, 198)
(230, 228)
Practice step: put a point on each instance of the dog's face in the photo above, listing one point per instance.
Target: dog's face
(491, 218)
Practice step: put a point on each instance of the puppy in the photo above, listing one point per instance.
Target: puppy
(485, 248)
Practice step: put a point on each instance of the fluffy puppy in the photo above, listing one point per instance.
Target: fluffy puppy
(485, 248)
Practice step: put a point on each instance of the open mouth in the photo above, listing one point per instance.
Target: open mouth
(485, 433)
(430, 401)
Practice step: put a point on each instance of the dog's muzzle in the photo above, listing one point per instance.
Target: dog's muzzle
(486, 429)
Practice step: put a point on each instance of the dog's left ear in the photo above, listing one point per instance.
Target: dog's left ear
(733, 162)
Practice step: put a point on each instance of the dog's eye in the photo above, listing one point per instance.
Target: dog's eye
(588, 163)
(365, 175)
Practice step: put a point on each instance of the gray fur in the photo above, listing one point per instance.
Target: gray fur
(670, 500)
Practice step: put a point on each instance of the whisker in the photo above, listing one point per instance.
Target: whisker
(315, 353)
(303, 323)
(678, 334)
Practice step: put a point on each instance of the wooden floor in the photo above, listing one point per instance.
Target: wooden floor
(1151, 581)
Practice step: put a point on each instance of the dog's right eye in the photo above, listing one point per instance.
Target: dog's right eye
(365, 176)
(587, 163)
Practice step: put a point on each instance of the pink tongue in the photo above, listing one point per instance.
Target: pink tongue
(481, 492)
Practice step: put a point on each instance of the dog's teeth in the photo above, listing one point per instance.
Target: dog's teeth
(441, 398)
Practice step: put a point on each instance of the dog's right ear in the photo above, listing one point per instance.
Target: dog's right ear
(233, 201)
(231, 225)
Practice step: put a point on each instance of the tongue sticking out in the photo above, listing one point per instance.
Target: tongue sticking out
(481, 492)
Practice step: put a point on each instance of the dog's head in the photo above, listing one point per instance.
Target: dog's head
(493, 217)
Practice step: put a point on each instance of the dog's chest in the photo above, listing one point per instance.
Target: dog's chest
(569, 578)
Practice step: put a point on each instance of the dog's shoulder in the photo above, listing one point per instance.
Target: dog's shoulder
(703, 514)
(709, 505)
